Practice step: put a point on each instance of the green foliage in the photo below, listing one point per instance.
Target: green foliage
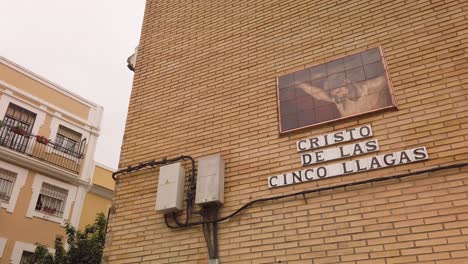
(84, 247)
(41, 256)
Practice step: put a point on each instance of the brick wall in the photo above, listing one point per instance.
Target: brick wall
(205, 83)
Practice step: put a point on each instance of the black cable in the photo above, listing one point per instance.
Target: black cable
(174, 217)
(164, 161)
(152, 163)
(249, 204)
(167, 223)
(212, 213)
(207, 235)
(215, 240)
(210, 240)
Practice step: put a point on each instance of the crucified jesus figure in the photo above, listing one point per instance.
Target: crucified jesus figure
(352, 98)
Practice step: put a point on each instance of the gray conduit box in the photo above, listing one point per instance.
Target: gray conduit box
(210, 180)
(170, 196)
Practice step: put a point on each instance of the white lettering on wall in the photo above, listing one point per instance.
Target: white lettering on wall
(334, 138)
(349, 167)
(345, 151)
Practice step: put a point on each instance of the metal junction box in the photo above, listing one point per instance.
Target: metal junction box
(210, 180)
(170, 194)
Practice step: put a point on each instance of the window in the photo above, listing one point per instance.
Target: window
(12, 179)
(22, 251)
(68, 141)
(16, 115)
(7, 182)
(49, 195)
(25, 257)
(51, 200)
(20, 119)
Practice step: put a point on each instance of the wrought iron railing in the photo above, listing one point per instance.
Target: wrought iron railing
(15, 137)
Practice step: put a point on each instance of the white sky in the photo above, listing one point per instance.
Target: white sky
(82, 46)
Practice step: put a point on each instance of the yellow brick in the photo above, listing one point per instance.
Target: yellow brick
(205, 83)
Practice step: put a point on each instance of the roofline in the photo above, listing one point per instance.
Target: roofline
(97, 164)
(47, 82)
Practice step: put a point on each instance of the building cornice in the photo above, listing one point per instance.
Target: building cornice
(89, 126)
(104, 166)
(101, 191)
(47, 82)
(41, 167)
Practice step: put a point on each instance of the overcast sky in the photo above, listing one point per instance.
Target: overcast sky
(82, 46)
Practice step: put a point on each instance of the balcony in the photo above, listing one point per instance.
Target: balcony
(19, 140)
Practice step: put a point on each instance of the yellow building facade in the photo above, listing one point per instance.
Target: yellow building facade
(99, 196)
(47, 142)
